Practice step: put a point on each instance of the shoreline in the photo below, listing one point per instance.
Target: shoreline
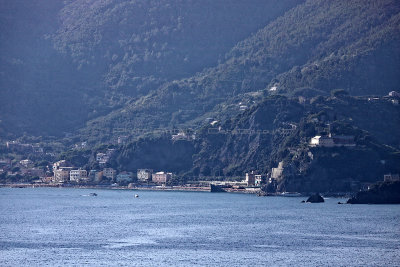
(175, 188)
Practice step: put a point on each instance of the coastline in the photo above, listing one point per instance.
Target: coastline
(110, 187)
(133, 188)
(175, 188)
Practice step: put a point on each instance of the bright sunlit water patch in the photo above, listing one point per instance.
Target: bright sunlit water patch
(49, 226)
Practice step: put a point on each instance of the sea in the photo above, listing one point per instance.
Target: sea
(69, 227)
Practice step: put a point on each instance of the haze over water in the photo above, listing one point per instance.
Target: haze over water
(51, 226)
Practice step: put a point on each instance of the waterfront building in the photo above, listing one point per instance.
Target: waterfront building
(124, 177)
(95, 175)
(61, 175)
(276, 173)
(61, 171)
(109, 173)
(78, 176)
(161, 177)
(250, 178)
(257, 180)
(144, 175)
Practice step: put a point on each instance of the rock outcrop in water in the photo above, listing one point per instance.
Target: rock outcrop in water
(380, 193)
(316, 198)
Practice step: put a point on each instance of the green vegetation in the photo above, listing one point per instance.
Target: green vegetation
(268, 75)
(66, 62)
(352, 45)
(280, 129)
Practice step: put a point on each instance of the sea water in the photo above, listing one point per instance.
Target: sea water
(59, 226)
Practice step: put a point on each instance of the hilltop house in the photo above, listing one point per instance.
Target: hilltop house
(323, 141)
(391, 177)
(332, 141)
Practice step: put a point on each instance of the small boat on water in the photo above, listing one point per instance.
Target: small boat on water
(291, 194)
(136, 195)
(93, 194)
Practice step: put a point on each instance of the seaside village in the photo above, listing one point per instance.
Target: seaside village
(63, 173)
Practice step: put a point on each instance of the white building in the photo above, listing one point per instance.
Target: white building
(324, 141)
(257, 180)
(61, 175)
(144, 175)
(276, 173)
(331, 141)
(61, 171)
(58, 164)
(78, 176)
(26, 163)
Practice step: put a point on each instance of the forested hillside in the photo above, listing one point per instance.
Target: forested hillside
(65, 62)
(251, 81)
(279, 130)
(319, 45)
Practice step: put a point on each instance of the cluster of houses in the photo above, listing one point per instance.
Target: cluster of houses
(24, 168)
(63, 173)
(392, 96)
(103, 158)
(16, 146)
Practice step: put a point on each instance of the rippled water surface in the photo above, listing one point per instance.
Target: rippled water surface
(51, 226)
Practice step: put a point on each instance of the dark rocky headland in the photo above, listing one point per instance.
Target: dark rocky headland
(379, 193)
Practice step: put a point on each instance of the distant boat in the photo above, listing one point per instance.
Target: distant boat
(291, 194)
(93, 194)
(136, 195)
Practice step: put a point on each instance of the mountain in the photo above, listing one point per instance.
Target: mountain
(279, 130)
(249, 82)
(66, 62)
(41, 93)
(317, 45)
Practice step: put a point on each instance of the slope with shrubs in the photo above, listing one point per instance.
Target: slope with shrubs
(66, 62)
(319, 45)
